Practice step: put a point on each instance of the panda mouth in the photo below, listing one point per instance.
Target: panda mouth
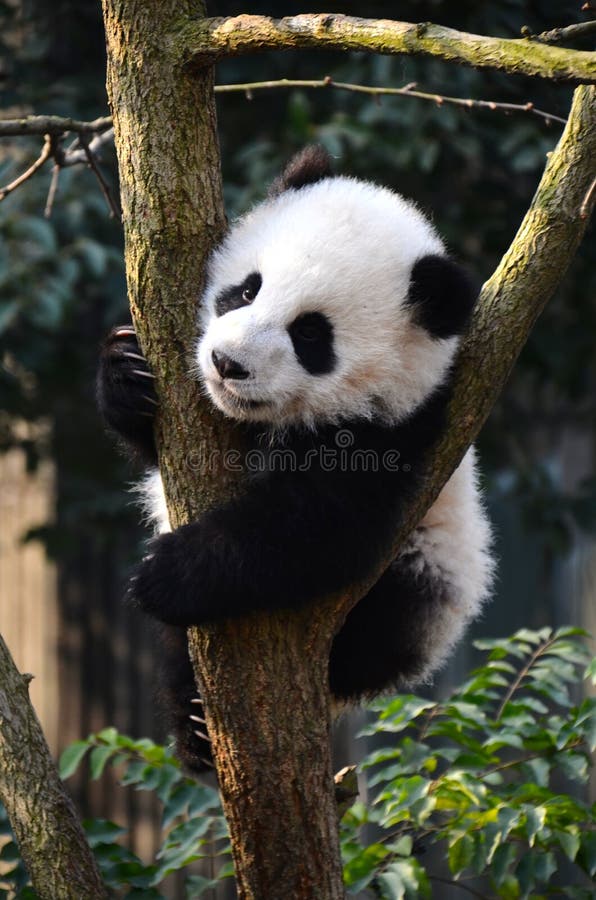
(243, 404)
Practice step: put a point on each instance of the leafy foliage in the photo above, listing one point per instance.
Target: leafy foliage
(475, 781)
(479, 777)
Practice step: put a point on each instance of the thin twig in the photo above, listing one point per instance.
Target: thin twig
(560, 35)
(584, 209)
(105, 188)
(539, 754)
(102, 127)
(74, 156)
(522, 674)
(406, 91)
(45, 154)
(52, 191)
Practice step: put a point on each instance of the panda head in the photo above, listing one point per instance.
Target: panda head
(331, 300)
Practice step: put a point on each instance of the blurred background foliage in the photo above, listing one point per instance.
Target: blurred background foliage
(62, 280)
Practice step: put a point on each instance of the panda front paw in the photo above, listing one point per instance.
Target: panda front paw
(170, 582)
(125, 392)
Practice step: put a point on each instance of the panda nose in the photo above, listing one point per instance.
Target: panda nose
(228, 367)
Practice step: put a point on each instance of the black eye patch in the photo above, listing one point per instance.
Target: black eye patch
(312, 337)
(238, 295)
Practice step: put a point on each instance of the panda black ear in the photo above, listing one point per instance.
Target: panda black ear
(442, 296)
(307, 167)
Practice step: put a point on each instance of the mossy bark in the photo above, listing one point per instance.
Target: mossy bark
(264, 679)
(207, 39)
(49, 833)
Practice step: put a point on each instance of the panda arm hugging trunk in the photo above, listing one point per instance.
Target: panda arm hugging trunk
(328, 329)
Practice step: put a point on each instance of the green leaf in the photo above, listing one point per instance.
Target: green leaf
(534, 869)
(460, 854)
(574, 765)
(404, 878)
(109, 736)
(535, 819)
(502, 862)
(71, 757)
(196, 885)
(98, 759)
(570, 843)
(587, 853)
(101, 831)
(177, 803)
(361, 868)
(540, 770)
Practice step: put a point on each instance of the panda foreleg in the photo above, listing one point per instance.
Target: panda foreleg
(125, 393)
(289, 539)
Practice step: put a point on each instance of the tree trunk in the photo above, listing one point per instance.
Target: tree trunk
(49, 833)
(264, 680)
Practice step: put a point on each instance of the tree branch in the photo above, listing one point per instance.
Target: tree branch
(50, 836)
(73, 155)
(513, 298)
(563, 34)
(202, 41)
(43, 157)
(55, 125)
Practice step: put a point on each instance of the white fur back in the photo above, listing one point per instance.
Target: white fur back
(454, 542)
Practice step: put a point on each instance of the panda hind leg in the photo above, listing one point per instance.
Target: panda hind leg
(181, 704)
(391, 638)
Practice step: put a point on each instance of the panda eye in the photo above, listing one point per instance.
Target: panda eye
(238, 295)
(251, 287)
(312, 336)
(307, 331)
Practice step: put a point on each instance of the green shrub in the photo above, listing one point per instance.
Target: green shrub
(490, 777)
(479, 775)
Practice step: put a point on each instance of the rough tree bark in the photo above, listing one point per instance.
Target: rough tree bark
(280, 768)
(46, 826)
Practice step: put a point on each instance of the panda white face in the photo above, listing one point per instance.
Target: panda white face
(308, 315)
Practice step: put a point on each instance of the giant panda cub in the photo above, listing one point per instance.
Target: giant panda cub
(328, 327)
